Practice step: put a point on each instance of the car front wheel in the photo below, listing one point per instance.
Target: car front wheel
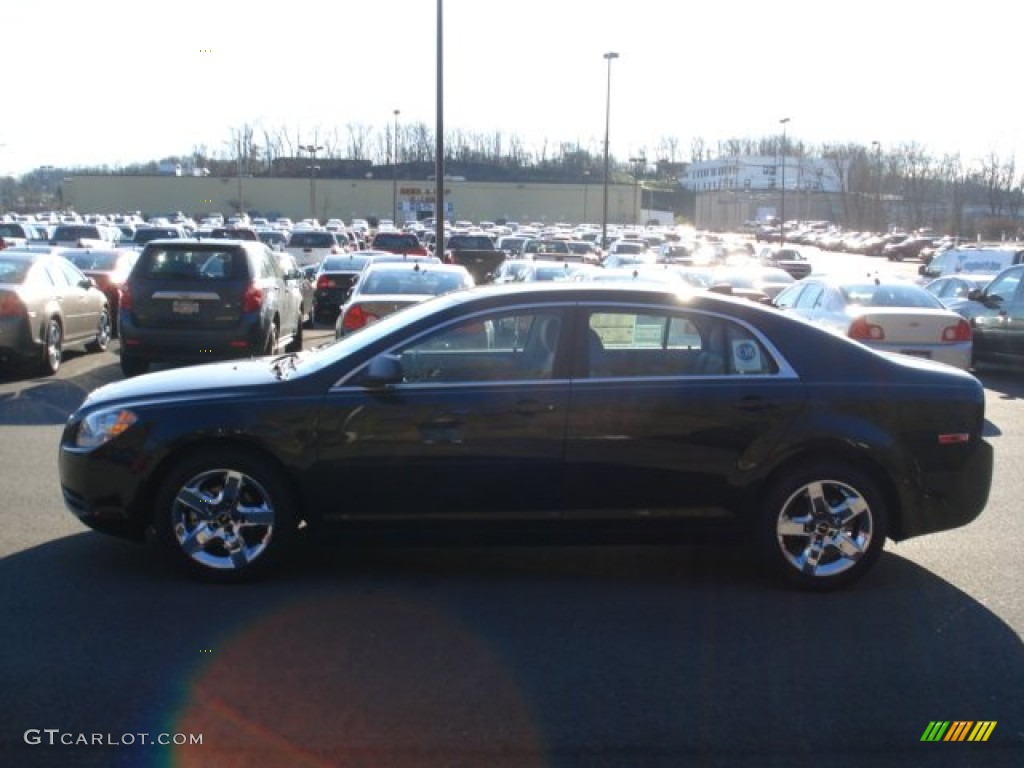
(823, 526)
(225, 515)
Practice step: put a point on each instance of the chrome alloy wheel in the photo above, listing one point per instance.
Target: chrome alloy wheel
(223, 519)
(54, 350)
(824, 528)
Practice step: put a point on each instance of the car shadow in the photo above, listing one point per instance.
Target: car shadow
(48, 400)
(1006, 381)
(533, 656)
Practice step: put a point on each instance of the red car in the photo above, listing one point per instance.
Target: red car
(404, 243)
(109, 268)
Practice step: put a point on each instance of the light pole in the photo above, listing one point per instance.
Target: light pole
(638, 163)
(439, 138)
(313, 168)
(586, 191)
(607, 124)
(878, 184)
(782, 204)
(394, 173)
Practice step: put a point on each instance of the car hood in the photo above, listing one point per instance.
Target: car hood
(207, 379)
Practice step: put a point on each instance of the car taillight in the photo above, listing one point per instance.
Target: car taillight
(959, 332)
(252, 299)
(126, 297)
(862, 330)
(357, 317)
(324, 282)
(3, 243)
(11, 305)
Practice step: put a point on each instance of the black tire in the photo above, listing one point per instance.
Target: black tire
(270, 345)
(104, 333)
(53, 347)
(295, 345)
(219, 534)
(823, 526)
(133, 366)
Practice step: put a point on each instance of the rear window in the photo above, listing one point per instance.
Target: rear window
(412, 281)
(344, 263)
(890, 296)
(200, 265)
(13, 270)
(98, 261)
(312, 240)
(154, 233)
(387, 240)
(76, 233)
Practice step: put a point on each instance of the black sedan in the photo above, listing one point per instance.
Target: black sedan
(584, 411)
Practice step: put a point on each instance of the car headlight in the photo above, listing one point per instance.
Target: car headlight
(101, 426)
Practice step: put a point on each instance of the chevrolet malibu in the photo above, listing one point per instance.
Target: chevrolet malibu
(622, 413)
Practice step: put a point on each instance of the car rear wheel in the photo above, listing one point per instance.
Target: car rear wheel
(296, 342)
(53, 346)
(225, 515)
(823, 526)
(270, 346)
(103, 334)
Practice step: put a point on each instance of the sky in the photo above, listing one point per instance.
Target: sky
(116, 82)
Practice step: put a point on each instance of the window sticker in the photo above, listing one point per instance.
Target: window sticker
(746, 356)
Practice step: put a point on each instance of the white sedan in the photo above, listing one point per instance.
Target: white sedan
(884, 314)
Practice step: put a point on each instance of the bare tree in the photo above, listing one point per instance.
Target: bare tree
(697, 149)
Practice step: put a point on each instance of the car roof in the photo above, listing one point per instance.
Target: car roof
(414, 266)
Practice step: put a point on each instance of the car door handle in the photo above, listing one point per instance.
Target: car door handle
(756, 404)
(532, 408)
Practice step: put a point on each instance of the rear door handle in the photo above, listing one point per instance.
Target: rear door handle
(532, 408)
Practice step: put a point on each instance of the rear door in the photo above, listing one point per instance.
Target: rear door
(668, 407)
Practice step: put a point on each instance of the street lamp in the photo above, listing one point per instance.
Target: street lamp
(639, 163)
(782, 204)
(313, 168)
(586, 191)
(878, 184)
(394, 173)
(607, 123)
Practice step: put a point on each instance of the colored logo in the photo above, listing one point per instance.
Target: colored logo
(958, 730)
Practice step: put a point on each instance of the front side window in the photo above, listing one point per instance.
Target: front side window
(506, 346)
(1006, 286)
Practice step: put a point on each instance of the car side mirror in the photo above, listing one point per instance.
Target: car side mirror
(383, 371)
(975, 294)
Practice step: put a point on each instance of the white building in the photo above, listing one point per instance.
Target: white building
(762, 172)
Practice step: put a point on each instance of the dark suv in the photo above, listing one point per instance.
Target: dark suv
(197, 300)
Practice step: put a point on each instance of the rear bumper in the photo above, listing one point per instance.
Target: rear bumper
(950, 498)
(245, 339)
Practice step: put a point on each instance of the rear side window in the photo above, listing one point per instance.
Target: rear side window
(178, 264)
